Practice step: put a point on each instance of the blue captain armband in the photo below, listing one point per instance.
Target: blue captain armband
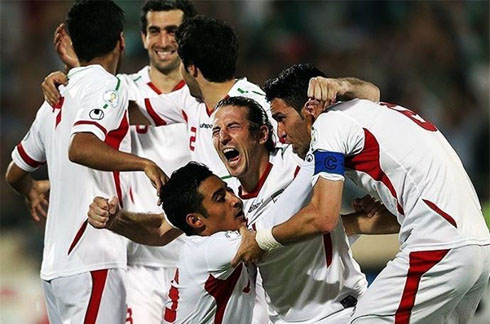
(329, 162)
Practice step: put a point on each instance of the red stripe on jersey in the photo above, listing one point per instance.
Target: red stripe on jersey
(179, 85)
(441, 212)
(27, 159)
(99, 278)
(327, 243)
(141, 129)
(78, 236)
(185, 116)
(171, 313)
(156, 118)
(259, 185)
(131, 194)
(154, 88)
(222, 290)
(89, 122)
(114, 139)
(420, 263)
(368, 161)
(296, 171)
(58, 105)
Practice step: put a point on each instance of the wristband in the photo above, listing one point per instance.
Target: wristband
(266, 240)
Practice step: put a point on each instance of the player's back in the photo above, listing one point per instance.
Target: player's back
(71, 246)
(206, 289)
(408, 162)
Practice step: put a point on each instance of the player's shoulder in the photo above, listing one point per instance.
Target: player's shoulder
(245, 88)
(140, 77)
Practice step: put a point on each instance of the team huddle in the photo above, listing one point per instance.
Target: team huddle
(183, 194)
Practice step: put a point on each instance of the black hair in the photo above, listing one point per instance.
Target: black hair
(94, 27)
(186, 6)
(180, 195)
(209, 44)
(256, 116)
(292, 85)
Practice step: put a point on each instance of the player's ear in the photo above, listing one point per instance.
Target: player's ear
(121, 42)
(193, 70)
(263, 134)
(194, 221)
(143, 39)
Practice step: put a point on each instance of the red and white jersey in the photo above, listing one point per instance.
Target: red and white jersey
(206, 289)
(168, 148)
(308, 282)
(396, 155)
(181, 107)
(93, 102)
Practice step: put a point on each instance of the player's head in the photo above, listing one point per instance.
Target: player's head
(199, 203)
(95, 28)
(160, 20)
(242, 134)
(287, 94)
(208, 49)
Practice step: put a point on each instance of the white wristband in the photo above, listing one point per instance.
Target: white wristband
(266, 240)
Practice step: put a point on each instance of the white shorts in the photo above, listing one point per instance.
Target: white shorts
(95, 297)
(147, 293)
(442, 286)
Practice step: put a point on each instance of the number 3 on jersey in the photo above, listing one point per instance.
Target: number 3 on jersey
(413, 116)
(192, 139)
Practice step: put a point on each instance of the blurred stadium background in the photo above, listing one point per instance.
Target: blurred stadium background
(430, 56)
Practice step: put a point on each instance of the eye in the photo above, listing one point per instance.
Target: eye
(216, 132)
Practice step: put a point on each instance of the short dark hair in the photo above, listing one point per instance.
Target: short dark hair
(292, 85)
(256, 116)
(186, 6)
(180, 195)
(94, 27)
(209, 44)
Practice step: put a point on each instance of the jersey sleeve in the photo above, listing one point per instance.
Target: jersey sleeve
(166, 109)
(30, 153)
(333, 137)
(103, 107)
(220, 250)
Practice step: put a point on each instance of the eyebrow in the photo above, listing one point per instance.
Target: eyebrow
(218, 192)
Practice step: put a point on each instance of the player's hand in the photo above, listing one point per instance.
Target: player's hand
(64, 48)
(367, 205)
(50, 86)
(38, 200)
(326, 90)
(156, 175)
(103, 212)
(249, 251)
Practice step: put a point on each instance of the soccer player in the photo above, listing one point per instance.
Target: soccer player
(83, 269)
(444, 263)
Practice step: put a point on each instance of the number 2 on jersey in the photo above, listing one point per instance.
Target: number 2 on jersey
(192, 139)
(413, 116)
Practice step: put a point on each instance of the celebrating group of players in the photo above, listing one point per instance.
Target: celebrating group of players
(260, 202)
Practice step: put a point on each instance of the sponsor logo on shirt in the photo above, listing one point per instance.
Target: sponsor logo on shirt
(96, 114)
(111, 98)
(204, 125)
(255, 206)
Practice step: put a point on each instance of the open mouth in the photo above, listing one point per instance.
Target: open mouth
(231, 154)
(165, 53)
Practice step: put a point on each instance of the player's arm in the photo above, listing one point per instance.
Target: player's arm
(88, 150)
(34, 191)
(329, 89)
(143, 228)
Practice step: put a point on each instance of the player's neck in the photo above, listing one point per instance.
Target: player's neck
(251, 180)
(165, 82)
(213, 92)
(109, 62)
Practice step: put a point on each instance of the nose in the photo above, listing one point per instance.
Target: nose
(165, 38)
(281, 133)
(224, 137)
(235, 201)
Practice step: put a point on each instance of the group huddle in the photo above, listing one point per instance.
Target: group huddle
(213, 200)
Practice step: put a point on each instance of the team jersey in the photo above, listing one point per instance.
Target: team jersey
(181, 107)
(168, 148)
(206, 289)
(394, 154)
(93, 102)
(307, 282)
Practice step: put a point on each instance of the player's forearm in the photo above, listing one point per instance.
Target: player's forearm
(19, 179)
(382, 223)
(355, 88)
(88, 150)
(144, 228)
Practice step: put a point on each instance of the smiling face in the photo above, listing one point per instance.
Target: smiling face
(291, 127)
(159, 39)
(239, 149)
(224, 209)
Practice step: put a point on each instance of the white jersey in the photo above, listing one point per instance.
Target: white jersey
(206, 289)
(168, 148)
(181, 107)
(394, 154)
(93, 102)
(308, 282)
